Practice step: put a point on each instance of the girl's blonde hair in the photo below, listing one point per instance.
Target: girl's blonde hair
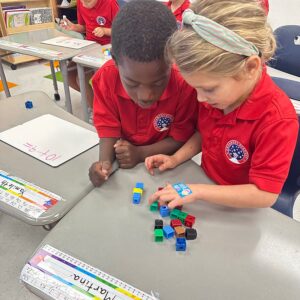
(245, 17)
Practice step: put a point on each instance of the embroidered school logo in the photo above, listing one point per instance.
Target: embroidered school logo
(236, 152)
(162, 122)
(101, 20)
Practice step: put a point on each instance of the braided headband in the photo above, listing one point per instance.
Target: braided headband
(218, 35)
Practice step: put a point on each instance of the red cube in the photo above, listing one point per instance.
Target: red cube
(189, 221)
(175, 223)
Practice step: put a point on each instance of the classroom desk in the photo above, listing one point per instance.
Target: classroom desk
(91, 58)
(239, 253)
(69, 180)
(32, 45)
(3, 79)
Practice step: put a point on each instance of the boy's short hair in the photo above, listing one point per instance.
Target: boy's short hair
(141, 29)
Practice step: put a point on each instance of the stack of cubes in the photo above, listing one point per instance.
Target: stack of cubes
(137, 193)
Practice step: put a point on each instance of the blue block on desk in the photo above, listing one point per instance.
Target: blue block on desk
(139, 185)
(164, 211)
(168, 231)
(180, 244)
(136, 198)
(28, 104)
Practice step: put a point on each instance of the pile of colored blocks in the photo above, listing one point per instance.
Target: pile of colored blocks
(180, 226)
(137, 193)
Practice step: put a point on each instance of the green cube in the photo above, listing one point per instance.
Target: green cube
(175, 214)
(158, 235)
(182, 216)
(154, 206)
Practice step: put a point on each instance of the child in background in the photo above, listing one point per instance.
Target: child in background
(142, 106)
(95, 20)
(247, 126)
(178, 7)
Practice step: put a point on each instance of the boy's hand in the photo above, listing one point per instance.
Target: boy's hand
(99, 172)
(99, 31)
(170, 196)
(67, 24)
(126, 154)
(160, 161)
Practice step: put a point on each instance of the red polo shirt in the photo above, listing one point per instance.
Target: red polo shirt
(252, 144)
(265, 4)
(101, 15)
(179, 11)
(116, 115)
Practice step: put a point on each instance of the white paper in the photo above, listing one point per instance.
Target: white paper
(50, 139)
(68, 42)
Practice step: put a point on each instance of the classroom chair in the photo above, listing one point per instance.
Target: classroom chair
(122, 2)
(291, 87)
(287, 55)
(291, 188)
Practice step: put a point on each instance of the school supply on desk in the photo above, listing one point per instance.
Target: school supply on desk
(68, 42)
(62, 276)
(25, 196)
(17, 46)
(50, 139)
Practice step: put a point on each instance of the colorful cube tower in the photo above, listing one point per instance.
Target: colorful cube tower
(137, 193)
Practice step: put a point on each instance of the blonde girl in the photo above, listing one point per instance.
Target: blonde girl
(247, 127)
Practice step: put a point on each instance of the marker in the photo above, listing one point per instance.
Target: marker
(64, 20)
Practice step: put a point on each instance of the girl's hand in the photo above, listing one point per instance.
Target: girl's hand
(99, 172)
(160, 161)
(170, 196)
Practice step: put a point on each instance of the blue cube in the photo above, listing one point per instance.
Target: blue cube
(168, 231)
(164, 211)
(180, 244)
(136, 198)
(139, 185)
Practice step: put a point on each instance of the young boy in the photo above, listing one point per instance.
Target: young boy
(94, 19)
(142, 106)
(178, 7)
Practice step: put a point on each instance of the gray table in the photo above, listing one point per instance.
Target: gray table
(33, 40)
(69, 180)
(239, 253)
(90, 58)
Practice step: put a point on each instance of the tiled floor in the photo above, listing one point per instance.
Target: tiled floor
(30, 76)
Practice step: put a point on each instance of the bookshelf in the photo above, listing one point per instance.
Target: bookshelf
(15, 59)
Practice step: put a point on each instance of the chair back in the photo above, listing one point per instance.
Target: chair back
(287, 55)
(291, 188)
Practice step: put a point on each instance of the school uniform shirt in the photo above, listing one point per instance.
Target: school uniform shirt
(116, 115)
(265, 4)
(101, 15)
(252, 144)
(179, 11)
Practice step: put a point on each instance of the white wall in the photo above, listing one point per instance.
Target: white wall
(284, 12)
